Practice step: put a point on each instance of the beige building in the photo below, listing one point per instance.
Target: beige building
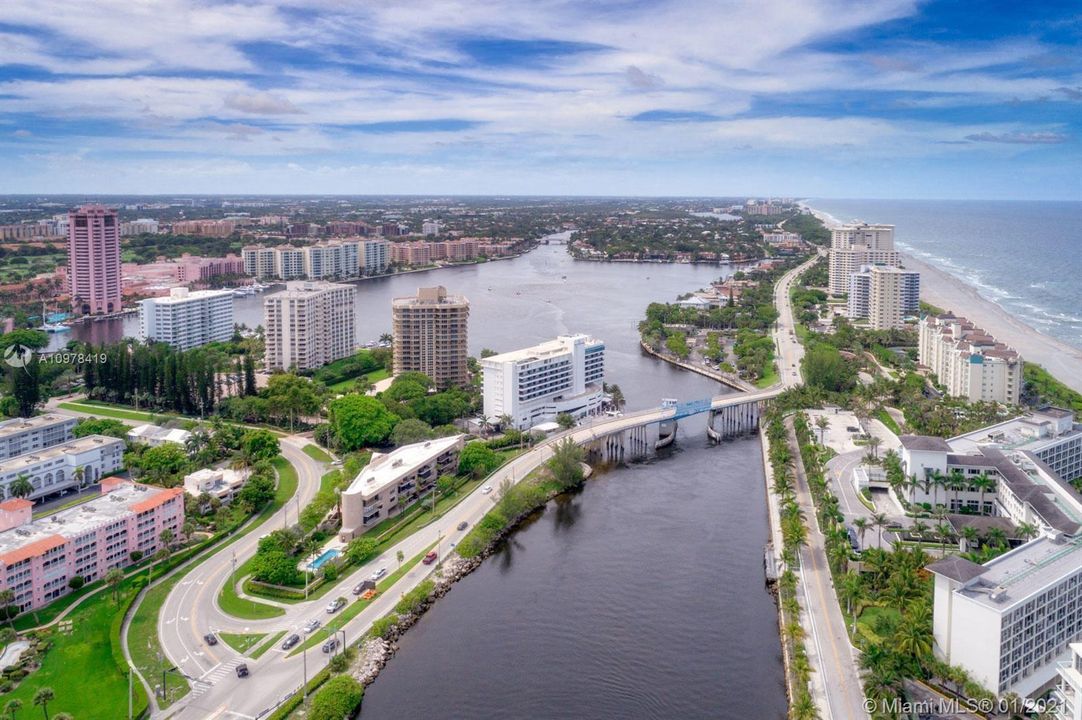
(309, 324)
(430, 334)
(856, 245)
(969, 362)
(884, 296)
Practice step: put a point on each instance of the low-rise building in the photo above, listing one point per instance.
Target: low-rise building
(38, 558)
(153, 435)
(391, 482)
(24, 435)
(536, 384)
(222, 483)
(59, 467)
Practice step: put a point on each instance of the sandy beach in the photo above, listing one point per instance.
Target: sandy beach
(950, 293)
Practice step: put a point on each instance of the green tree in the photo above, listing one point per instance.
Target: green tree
(338, 698)
(257, 491)
(100, 426)
(359, 420)
(410, 431)
(361, 550)
(163, 464)
(24, 381)
(292, 395)
(566, 463)
(21, 487)
(257, 445)
(400, 556)
(7, 598)
(113, 578)
(43, 697)
(565, 420)
(824, 368)
(477, 460)
(12, 706)
(76, 582)
(275, 566)
(445, 484)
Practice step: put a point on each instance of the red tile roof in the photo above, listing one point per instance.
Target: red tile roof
(38, 547)
(160, 498)
(15, 504)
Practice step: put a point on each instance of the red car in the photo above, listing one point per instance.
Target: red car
(430, 558)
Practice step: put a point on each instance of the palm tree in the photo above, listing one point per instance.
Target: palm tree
(822, 423)
(79, 474)
(970, 535)
(12, 706)
(113, 578)
(919, 528)
(984, 483)
(7, 599)
(874, 443)
(21, 487)
(804, 707)
(386, 338)
(957, 483)
(400, 556)
(943, 531)
(43, 697)
(1027, 531)
(996, 537)
(861, 525)
(879, 520)
(937, 481)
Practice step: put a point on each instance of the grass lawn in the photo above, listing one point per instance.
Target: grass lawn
(884, 417)
(241, 642)
(373, 377)
(867, 620)
(143, 644)
(90, 406)
(82, 667)
(272, 641)
(354, 609)
(317, 454)
(770, 378)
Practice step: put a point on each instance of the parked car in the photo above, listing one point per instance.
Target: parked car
(335, 605)
(209, 639)
(853, 539)
(486, 489)
(430, 558)
(242, 670)
(311, 625)
(379, 573)
(463, 525)
(291, 641)
(330, 645)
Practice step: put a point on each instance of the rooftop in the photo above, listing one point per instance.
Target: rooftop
(1015, 576)
(18, 425)
(78, 445)
(386, 469)
(924, 442)
(551, 348)
(40, 535)
(307, 288)
(1033, 431)
(180, 295)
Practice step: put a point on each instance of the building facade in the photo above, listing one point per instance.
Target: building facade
(94, 260)
(376, 256)
(969, 362)
(26, 435)
(430, 335)
(54, 468)
(38, 558)
(391, 482)
(309, 324)
(884, 296)
(534, 385)
(188, 319)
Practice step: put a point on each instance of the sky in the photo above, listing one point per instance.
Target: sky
(808, 98)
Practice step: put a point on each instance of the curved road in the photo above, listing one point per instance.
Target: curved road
(191, 610)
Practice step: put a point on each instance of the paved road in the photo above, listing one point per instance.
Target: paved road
(191, 612)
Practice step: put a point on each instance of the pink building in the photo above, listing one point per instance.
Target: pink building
(94, 260)
(38, 558)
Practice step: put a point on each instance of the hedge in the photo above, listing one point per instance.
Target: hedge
(338, 698)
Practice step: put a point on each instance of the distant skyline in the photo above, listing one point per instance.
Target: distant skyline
(817, 98)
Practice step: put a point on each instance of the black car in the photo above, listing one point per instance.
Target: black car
(330, 645)
(291, 641)
(242, 670)
(463, 525)
(209, 639)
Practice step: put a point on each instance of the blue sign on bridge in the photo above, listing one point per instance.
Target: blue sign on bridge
(692, 407)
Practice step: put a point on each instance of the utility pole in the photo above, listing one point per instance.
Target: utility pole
(304, 655)
(234, 554)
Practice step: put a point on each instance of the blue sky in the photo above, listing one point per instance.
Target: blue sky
(810, 98)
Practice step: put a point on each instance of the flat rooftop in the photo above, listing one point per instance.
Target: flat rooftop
(39, 535)
(385, 470)
(72, 446)
(307, 288)
(1028, 432)
(19, 425)
(1013, 577)
(551, 348)
(190, 296)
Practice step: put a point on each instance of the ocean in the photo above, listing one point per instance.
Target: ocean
(1024, 256)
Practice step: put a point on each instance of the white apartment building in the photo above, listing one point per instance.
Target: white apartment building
(187, 318)
(535, 384)
(309, 324)
(1049, 435)
(390, 482)
(138, 227)
(781, 237)
(969, 362)
(288, 262)
(24, 435)
(430, 227)
(258, 261)
(1010, 622)
(856, 245)
(884, 296)
(1068, 694)
(335, 259)
(375, 256)
(53, 469)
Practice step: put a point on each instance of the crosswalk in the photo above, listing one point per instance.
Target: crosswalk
(203, 685)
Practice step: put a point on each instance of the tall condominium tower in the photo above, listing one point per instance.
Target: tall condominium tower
(852, 246)
(187, 319)
(309, 324)
(94, 260)
(430, 333)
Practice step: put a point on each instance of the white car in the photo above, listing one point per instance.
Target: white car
(311, 625)
(335, 605)
(379, 573)
(486, 489)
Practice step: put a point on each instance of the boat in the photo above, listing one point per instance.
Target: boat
(55, 328)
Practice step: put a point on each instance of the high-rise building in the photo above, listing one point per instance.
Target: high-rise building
(187, 319)
(94, 260)
(430, 335)
(332, 259)
(376, 256)
(536, 384)
(309, 324)
(852, 246)
(430, 227)
(884, 295)
(969, 362)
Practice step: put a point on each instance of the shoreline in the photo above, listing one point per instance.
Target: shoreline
(940, 288)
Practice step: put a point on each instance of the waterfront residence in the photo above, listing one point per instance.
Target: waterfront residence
(54, 468)
(24, 435)
(884, 296)
(535, 384)
(390, 482)
(94, 260)
(969, 362)
(38, 558)
(153, 435)
(430, 335)
(309, 324)
(855, 245)
(187, 318)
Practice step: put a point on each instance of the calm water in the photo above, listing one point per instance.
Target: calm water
(1026, 256)
(641, 597)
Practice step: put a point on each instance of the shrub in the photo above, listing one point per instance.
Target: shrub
(382, 627)
(338, 698)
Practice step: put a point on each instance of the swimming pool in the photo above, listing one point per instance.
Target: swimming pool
(325, 557)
